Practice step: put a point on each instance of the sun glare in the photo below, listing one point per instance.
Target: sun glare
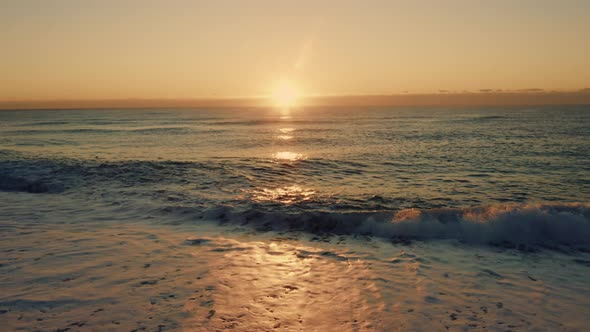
(285, 95)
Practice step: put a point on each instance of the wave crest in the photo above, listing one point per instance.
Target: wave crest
(564, 223)
(532, 224)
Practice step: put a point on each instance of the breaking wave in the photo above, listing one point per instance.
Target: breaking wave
(560, 224)
(243, 191)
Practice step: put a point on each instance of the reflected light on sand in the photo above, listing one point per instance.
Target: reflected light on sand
(285, 195)
(267, 286)
(288, 156)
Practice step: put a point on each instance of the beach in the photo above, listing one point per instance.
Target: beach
(60, 274)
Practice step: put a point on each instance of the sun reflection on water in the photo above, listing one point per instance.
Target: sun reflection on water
(285, 137)
(285, 195)
(288, 156)
(286, 130)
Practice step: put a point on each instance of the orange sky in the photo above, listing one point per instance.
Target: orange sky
(221, 49)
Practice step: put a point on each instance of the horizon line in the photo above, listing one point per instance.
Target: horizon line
(483, 97)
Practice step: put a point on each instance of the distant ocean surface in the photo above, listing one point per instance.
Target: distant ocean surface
(519, 175)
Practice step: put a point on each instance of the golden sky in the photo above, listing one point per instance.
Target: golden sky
(105, 49)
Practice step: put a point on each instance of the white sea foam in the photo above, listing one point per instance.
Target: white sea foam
(532, 223)
(564, 223)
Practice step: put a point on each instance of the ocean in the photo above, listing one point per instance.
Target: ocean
(399, 207)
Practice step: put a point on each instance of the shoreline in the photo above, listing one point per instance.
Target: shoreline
(135, 276)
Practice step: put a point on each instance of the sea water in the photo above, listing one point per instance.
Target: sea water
(325, 170)
(373, 219)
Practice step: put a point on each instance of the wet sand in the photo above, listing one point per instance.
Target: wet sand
(141, 277)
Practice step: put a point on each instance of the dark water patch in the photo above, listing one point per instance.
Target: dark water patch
(483, 119)
(584, 262)
(44, 123)
(490, 273)
(197, 241)
(334, 255)
(30, 304)
(9, 183)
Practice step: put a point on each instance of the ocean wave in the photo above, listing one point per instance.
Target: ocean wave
(561, 223)
(18, 171)
(244, 191)
(515, 224)
(485, 118)
(60, 131)
(140, 130)
(19, 184)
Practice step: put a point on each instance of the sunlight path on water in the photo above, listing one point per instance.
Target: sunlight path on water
(261, 286)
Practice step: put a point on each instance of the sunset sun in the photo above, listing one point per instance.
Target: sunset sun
(285, 94)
